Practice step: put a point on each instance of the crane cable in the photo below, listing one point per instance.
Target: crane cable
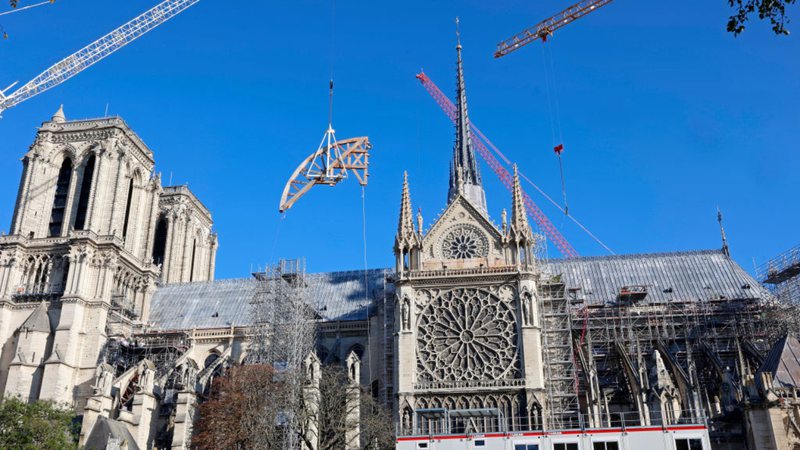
(555, 114)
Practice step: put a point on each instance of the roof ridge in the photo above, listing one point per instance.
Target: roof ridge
(636, 255)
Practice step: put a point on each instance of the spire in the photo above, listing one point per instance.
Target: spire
(725, 248)
(519, 219)
(405, 228)
(59, 116)
(463, 156)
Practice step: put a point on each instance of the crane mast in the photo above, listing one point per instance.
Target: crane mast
(94, 52)
(546, 27)
(506, 178)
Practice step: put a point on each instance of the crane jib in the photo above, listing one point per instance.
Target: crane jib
(96, 51)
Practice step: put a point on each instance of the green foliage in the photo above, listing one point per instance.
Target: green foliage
(36, 426)
(774, 10)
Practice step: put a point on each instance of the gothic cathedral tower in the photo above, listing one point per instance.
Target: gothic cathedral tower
(468, 333)
(93, 232)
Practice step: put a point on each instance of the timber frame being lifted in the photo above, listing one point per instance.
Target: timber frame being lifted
(328, 165)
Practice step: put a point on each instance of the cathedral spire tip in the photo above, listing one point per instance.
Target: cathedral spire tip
(464, 165)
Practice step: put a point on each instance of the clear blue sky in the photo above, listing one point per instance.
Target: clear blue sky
(664, 117)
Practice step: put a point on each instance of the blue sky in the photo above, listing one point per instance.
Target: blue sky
(664, 116)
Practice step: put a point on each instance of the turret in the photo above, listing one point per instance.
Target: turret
(407, 242)
(519, 236)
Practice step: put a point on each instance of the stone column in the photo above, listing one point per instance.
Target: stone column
(353, 406)
(99, 404)
(144, 403)
(311, 395)
(22, 195)
(114, 226)
(97, 193)
(184, 419)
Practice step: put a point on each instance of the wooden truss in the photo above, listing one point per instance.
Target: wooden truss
(328, 165)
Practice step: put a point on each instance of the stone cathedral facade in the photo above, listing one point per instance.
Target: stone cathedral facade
(93, 234)
(108, 303)
(469, 336)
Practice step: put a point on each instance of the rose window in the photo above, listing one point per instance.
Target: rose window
(467, 334)
(464, 242)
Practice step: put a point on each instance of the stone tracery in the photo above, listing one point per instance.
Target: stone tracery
(467, 334)
(464, 242)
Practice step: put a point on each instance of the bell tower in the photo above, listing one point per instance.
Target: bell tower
(77, 265)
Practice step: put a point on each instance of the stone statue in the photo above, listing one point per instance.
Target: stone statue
(526, 309)
(104, 378)
(406, 313)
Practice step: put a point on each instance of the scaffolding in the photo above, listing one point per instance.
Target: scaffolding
(558, 357)
(781, 275)
(710, 347)
(162, 349)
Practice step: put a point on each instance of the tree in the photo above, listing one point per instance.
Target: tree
(38, 425)
(242, 411)
(774, 10)
(337, 402)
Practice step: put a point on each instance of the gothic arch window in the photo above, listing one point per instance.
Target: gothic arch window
(464, 241)
(210, 360)
(191, 267)
(64, 275)
(128, 203)
(467, 334)
(84, 193)
(60, 198)
(358, 349)
(160, 240)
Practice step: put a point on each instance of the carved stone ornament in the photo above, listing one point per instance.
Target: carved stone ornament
(464, 241)
(467, 334)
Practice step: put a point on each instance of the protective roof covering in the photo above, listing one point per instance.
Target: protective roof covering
(783, 363)
(224, 303)
(668, 277)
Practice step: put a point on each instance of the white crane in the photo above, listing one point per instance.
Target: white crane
(94, 52)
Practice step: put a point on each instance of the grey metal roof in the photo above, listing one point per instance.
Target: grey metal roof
(669, 277)
(783, 363)
(223, 303)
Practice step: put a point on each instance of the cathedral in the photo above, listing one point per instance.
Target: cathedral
(108, 303)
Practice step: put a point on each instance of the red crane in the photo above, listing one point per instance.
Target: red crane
(505, 177)
(546, 27)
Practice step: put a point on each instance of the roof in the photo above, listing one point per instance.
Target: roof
(783, 364)
(219, 304)
(39, 320)
(108, 432)
(669, 277)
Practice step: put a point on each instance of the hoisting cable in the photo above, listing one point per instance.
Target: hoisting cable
(277, 236)
(500, 154)
(555, 115)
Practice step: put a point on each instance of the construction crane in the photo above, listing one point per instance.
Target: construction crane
(546, 27)
(94, 52)
(506, 178)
